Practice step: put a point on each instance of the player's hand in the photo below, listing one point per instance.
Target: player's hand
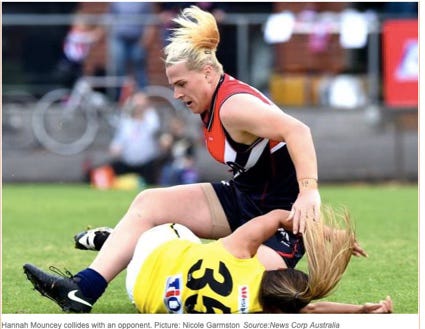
(305, 208)
(358, 250)
(384, 306)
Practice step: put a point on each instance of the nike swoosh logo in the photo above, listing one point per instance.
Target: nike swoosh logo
(72, 295)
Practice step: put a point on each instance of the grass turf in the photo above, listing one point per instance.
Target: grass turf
(39, 221)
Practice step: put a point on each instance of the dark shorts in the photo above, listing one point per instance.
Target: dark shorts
(240, 207)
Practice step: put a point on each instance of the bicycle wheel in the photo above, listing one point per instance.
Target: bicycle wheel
(61, 128)
(16, 119)
(168, 107)
(164, 101)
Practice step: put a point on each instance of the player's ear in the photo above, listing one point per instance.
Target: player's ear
(206, 70)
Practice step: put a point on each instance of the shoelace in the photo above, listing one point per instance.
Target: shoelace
(66, 274)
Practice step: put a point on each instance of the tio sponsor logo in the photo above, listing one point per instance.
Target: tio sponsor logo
(172, 294)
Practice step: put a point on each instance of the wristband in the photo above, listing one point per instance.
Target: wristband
(308, 183)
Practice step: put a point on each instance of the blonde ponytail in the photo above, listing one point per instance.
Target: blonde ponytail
(194, 41)
(329, 244)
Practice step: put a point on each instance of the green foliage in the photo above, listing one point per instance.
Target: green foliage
(39, 221)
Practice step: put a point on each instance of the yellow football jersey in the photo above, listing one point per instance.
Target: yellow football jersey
(185, 277)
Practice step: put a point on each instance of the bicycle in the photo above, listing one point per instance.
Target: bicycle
(66, 122)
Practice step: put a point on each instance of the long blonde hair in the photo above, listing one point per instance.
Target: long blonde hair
(194, 41)
(328, 244)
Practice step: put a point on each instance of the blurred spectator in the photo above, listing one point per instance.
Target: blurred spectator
(179, 161)
(134, 148)
(129, 42)
(76, 47)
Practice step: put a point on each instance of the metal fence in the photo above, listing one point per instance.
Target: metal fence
(244, 24)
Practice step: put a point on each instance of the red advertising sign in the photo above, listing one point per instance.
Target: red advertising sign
(400, 62)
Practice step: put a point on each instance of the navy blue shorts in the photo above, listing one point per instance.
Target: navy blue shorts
(240, 207)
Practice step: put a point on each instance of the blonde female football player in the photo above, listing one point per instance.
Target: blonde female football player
(271, 154)
(172, 271)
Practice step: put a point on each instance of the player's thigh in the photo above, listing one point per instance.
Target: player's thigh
(194, 205)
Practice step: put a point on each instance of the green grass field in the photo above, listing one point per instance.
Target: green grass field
(39, 221)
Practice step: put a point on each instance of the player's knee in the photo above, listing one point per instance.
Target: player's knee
(147, 206)
(145, 197)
